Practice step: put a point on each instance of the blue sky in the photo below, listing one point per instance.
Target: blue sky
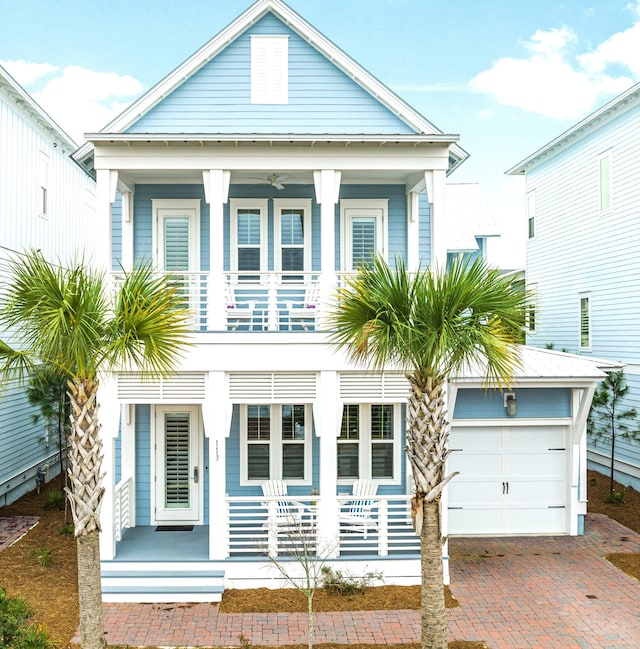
(506, 75)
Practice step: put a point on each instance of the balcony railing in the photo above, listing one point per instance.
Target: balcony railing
(249, 301)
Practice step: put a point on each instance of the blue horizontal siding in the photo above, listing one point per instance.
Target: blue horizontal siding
(396, 225)
(424, 230)
(322, 98)
(143, 465)
(116, 232)
(534, 403)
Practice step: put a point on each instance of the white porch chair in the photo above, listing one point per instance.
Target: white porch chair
(284, 513)
(237, 313)
(357, 514)
(304, 313)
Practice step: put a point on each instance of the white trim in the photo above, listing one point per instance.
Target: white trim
(261, 204)
(275, 443)
(349, 208)
(165, 207)
(196, 459)
(280, 204)
(365, 443)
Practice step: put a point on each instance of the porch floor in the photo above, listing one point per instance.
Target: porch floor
(144, 543)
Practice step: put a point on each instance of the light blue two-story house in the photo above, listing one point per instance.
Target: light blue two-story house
(583, 204)
(46, 203)
(258, 173)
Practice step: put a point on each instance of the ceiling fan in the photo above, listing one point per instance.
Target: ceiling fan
(275, 180)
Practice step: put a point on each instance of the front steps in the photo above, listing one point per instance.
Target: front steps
(194, 581)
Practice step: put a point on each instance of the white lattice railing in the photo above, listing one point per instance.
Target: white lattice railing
(123, 494)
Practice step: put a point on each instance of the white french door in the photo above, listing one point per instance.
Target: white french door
(178, 464)
(363, 231)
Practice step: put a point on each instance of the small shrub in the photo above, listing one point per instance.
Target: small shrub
(44, 557)
(593, 481)
(66, 529)
(245, 643)
(15, 630)
(339, 583)
(55, 500)
(615, 498)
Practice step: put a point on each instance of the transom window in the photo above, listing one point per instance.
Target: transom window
(276, 443)
(369, 443)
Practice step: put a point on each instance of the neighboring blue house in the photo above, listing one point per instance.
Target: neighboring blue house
(259, 173)
(583, 203)
(46, 203)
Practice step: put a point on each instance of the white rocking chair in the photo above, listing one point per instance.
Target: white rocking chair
(357, 515)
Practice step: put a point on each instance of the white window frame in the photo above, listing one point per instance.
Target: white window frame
(275, 443)
(261, 204)
(269, 69)
(605, 180)
(349, 208)
(43, 185)
(587, 297)
(280, 204)
(168, 207)
(365, 443)
(531, 214)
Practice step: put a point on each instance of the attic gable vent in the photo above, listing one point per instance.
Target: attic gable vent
(269, 69)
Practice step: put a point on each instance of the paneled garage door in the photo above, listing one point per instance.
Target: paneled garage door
(512, 480)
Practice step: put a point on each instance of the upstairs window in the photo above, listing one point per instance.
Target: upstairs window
(605, 181)
(531, 215)
(585, 322)
(269, 69)
(248, 236)
(292, 221)
(530, 312)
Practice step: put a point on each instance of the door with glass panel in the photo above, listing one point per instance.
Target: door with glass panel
(363, 235)
(178, 465)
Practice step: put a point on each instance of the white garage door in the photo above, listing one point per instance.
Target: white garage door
(512, 480)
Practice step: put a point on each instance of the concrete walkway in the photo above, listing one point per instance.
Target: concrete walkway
(514, 593)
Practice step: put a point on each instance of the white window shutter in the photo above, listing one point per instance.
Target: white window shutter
(269, 70)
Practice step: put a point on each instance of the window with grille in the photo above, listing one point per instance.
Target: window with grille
(248, 236)
(276, 443)
(369, 442)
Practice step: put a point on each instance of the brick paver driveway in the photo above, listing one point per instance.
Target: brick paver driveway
(514, 593)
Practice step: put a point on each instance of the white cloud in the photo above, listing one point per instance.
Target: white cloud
(80, 100)
(553, 84)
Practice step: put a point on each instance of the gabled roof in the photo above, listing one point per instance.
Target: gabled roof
(34, 110)
(255, 12)
(626, 100)
(468, 217)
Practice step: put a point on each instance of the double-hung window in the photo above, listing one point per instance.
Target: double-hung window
(585, 322)
(276, 443)
(369, 443)
(292, 225)
(248, 236)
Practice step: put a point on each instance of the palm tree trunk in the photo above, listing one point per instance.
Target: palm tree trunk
(85, 497)
(433, 622)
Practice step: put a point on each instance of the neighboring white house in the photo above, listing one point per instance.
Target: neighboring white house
(47, 204)
(259, 172)
(583, 227)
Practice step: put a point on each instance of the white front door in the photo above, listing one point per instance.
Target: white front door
(512, 480)
(178, 464)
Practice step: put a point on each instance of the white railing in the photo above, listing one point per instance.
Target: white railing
(249, 301)
(261, 525)
(122, 507)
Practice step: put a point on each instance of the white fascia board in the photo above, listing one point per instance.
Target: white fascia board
(306, 31)
(626, 100)
(37, 113)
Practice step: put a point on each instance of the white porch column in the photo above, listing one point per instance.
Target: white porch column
(327, 187)
(436, 194)
(216, 193)
(216, 416)
(327, 415)
(128, 453)
(413, 231)
(106, 185)
(109, 418)
(127, 258)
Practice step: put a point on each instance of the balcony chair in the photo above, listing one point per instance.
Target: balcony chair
(285, 514)
(357, 514)
(237, 313)
(303, 312)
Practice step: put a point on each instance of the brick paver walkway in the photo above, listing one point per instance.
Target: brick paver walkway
(13, 528)
(514, 593)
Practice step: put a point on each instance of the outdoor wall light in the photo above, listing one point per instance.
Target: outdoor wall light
(511, 404)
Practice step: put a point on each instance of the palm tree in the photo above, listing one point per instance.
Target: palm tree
(65, 319)
(432, 326)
